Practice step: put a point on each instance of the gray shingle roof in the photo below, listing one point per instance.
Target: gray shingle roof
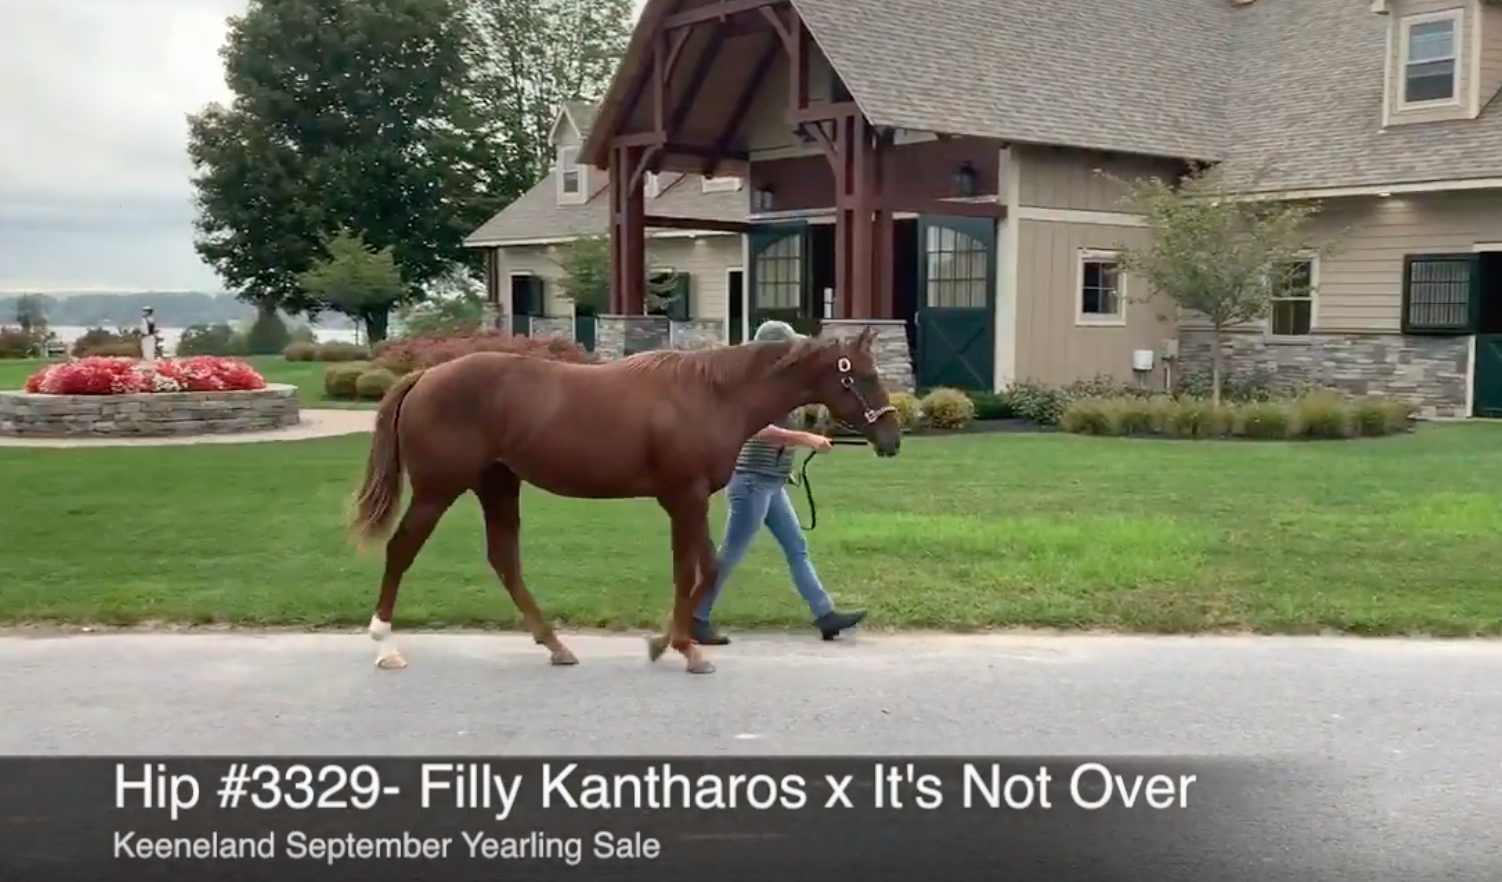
(1085, 73)
(583, 114)
(537, 214)
(1293, 87)
(1306, 95)
(1294, 83)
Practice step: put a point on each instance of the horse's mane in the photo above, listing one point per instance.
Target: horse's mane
(722, 365)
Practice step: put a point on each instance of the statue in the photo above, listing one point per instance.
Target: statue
(151, 339)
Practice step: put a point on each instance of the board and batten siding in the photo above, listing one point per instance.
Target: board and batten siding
(705, 259)
(1489, 66)
(1051, 346)
(1068, 179)
(1361, 283)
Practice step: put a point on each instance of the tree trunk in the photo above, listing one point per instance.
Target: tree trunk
(376, 324)
(1216, 370)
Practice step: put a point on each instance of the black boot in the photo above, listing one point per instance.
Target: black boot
(706, 633)
(833, 622)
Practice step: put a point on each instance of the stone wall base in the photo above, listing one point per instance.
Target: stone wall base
(1429, 372)
(148, 415)
(617, 336)
(546, 326)
(697, 334)
(894, 361)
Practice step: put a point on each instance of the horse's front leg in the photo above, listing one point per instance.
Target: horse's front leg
(690, 526)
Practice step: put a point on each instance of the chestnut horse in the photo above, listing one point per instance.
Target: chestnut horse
(664, 425)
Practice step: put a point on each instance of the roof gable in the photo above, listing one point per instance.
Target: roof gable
(1294, 83)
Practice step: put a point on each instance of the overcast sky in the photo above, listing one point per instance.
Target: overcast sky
(94, 191)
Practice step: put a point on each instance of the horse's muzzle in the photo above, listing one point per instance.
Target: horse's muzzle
(889, 449)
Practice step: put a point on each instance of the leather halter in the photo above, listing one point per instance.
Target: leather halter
(872, 414)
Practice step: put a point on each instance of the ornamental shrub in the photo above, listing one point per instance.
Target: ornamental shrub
(412, 353)
(948, 408)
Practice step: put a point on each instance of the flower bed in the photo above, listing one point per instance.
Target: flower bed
(115, 396)
(117, 375)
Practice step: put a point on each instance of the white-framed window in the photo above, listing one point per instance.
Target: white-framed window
(721, 185)
(1291, 304)
(571, 175)
(1430, 59)
(651, 185)
(1100, 290)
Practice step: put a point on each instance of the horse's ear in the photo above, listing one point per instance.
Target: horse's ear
(866, 339)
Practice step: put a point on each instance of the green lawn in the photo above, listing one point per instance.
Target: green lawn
(1384, 536)
(307, 376)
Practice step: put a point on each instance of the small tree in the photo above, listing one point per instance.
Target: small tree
(455, 305)
(1217, 254)
(363, 284)
(586, 277)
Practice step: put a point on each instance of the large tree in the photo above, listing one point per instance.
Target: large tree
(348, 115)
(529, 56)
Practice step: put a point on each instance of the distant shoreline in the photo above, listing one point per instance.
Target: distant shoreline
(68, 333)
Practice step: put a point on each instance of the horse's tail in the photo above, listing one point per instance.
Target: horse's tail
(381, 493)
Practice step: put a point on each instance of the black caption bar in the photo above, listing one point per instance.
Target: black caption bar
(376, 819)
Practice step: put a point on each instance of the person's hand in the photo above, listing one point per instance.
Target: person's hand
(815, 441)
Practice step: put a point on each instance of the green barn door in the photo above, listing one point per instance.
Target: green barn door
(778, 276)
(956, 303)
(1488, 369)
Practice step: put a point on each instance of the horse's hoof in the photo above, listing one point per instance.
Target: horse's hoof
(656, 646)
(701, 666)
(391, 662)
(563, 658)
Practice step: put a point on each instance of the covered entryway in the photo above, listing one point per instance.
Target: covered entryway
(956, 307)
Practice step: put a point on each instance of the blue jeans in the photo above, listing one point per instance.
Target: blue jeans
(756, 500)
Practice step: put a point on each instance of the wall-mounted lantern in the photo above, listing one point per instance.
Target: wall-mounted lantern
(964, 179)
(761, 199)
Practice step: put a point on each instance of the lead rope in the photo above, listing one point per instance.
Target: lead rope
(801, 479)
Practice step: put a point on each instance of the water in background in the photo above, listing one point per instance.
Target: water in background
(68, 333)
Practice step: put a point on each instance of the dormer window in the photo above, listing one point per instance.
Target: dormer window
(721, 185)
(1430, 59)
(570, 175)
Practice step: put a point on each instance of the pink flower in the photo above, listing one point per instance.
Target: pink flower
(108, 375)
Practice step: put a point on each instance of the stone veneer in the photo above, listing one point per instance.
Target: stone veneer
(617, 336)
(148, 415)
(697, 334)
(1428, 371)
(894, 361)
(547, 326)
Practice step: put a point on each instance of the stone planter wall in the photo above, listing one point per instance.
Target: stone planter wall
(1430, 372)
(148, 415)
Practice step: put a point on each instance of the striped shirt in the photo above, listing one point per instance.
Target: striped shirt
(763, 458)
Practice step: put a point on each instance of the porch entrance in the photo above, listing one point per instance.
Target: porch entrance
(944, 282)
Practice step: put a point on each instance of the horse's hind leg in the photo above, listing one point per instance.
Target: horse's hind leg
(500, 498)
(422, 515)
